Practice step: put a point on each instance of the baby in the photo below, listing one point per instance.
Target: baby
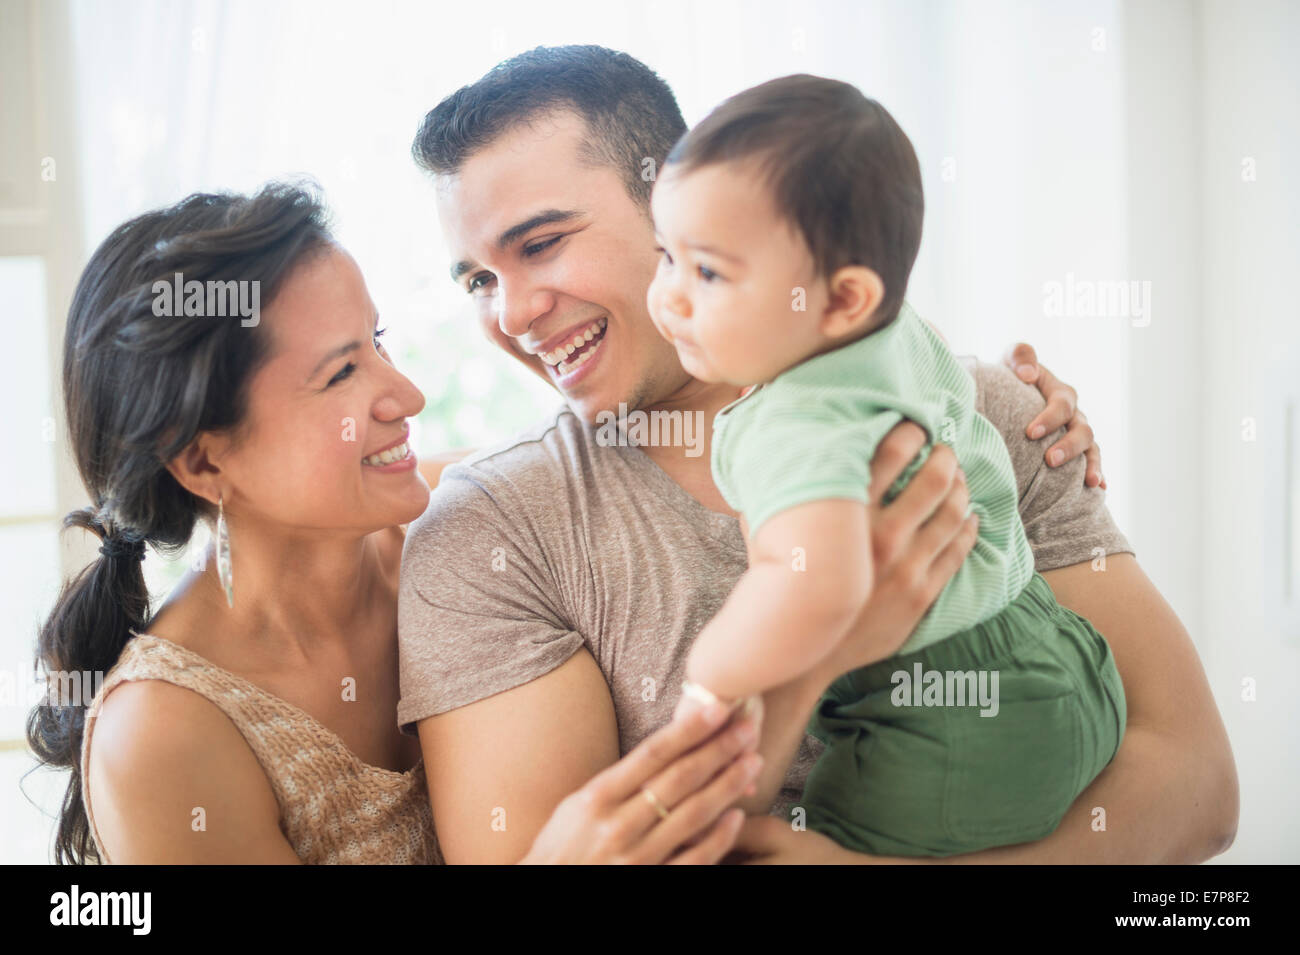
(789, 220)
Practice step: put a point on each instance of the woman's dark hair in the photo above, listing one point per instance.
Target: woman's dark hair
(138, 387)
(839, 168)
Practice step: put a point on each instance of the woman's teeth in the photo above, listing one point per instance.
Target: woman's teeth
(388, 457)
(559, 357)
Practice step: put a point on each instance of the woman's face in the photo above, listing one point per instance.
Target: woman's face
(326, 402)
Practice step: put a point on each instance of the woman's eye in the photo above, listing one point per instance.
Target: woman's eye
(530, 250)
(474, 285)
(344, 372)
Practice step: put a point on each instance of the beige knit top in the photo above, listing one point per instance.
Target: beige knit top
(333, 807)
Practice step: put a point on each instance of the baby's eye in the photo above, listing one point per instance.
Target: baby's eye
(708, 274)
(664, 252)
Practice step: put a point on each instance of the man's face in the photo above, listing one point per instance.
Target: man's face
(558, 258)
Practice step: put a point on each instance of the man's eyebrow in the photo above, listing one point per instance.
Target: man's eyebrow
(516, 232)
(548, 217)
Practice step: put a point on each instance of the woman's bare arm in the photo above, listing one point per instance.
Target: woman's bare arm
(161, 798)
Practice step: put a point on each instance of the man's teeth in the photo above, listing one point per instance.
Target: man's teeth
(389, 456)
(565, 367)
(579, 339)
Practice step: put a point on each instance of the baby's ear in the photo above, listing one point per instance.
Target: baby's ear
(855, 294)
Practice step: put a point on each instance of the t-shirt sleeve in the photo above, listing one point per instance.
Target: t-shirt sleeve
(787, 449)
(1065, 522)
(474, 617)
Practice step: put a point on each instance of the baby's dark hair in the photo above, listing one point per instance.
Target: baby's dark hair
(839, 167)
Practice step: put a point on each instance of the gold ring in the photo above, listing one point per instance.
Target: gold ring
(653, 800)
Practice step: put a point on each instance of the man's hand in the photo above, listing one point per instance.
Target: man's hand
(1062, 410)
(918, 543)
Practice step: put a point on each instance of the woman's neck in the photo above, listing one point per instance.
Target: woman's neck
(293, 593)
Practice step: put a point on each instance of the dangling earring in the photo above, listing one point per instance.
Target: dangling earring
(224, 572)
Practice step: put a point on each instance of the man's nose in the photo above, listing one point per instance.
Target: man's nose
(518, 309)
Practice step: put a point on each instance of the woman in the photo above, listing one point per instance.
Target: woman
(251, 718)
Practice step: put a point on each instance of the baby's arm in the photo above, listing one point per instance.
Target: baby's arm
(809, 576)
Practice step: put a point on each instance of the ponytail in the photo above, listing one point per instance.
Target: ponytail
(138, 388)
(84, 634)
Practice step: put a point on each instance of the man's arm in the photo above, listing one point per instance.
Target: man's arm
(1170, 794)
(511, 709)
(1172, 786)
(498, 768)
(917, 542)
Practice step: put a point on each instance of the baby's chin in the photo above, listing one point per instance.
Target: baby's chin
(710, 375)
(697, 366)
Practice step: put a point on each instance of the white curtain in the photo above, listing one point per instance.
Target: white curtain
(1015, 111)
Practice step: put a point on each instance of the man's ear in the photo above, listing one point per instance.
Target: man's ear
(854, 296)
(197, 467)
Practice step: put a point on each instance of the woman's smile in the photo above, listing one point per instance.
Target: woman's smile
(398, 456)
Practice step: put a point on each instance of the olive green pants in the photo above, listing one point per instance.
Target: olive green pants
(913, 768)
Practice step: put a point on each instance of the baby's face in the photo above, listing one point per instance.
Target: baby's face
(735, 291)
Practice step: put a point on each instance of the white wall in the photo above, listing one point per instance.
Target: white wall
(1251, 338)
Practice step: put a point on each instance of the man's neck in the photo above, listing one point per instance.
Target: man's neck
(693, 471)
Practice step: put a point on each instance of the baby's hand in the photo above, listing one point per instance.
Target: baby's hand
(695, 697)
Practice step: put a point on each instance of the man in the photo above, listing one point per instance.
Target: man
(551, 590)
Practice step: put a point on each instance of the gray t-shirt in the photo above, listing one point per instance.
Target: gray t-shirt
(552, 542)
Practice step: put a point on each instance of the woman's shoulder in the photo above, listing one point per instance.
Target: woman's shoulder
(157, 750)
(151, 701)
(151, 714)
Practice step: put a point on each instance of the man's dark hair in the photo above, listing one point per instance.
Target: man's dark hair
(631, 114)
(838, 166)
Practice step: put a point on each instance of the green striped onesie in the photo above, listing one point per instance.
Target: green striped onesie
(1002, 706)
(810, 434)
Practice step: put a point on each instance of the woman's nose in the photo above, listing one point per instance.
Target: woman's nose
(400, 399)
